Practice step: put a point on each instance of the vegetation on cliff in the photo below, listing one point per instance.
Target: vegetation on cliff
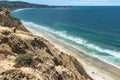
(23, 59)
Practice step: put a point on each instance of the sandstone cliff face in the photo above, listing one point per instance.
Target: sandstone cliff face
(48, 63)
(7, 20)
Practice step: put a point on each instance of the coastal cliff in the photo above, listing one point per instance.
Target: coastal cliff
(45, 61)
(7, 21)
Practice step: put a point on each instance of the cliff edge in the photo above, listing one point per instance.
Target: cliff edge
(7, 20)
(27, 57)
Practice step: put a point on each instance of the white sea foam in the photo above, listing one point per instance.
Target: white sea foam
(76, 40)
(107, 51)
(112, 63)
(21, 9)
(18, 10)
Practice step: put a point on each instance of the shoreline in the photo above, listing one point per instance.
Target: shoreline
(71, 45)
(16, 10)
(98, 71)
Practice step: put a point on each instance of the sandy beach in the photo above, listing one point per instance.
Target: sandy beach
(96, 68)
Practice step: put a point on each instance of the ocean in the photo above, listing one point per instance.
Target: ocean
(94, 30)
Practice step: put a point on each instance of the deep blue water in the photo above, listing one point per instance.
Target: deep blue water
(94, 30)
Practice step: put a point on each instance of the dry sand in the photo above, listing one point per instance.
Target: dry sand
(96, 68)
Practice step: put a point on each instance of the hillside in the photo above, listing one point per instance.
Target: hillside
(27, 57)
(18, 4)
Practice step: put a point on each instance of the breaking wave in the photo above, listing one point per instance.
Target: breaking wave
(76, 40)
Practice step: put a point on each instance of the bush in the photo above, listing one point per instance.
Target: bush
(6, 32)
(24, 60)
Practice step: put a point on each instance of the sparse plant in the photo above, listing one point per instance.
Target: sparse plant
(24, 60)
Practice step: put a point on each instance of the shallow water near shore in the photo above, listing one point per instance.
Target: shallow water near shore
(93, 30)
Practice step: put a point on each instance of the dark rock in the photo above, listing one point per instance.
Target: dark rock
(16, 75)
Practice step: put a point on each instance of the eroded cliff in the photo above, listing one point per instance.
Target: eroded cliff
(48, 63)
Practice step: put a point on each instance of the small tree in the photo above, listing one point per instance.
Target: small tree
(24, 59)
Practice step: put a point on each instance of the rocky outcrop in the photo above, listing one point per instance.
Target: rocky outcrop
(7, 20)
(48, 63)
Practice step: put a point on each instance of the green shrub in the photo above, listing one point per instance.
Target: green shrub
(24, 59)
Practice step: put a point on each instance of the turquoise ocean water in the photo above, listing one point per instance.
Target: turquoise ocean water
(94, 30)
